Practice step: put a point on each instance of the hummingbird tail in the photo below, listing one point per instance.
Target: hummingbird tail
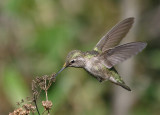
(124, 86)
(119, 82)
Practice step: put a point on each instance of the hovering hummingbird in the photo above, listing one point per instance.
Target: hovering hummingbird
(106, 54)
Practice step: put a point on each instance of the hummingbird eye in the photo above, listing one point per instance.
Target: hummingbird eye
(72, 61)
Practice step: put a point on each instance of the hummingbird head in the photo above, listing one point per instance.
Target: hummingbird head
(74, 59)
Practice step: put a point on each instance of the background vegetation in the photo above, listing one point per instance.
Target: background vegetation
(36, 35)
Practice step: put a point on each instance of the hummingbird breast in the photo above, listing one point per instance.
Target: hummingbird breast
(96, 68)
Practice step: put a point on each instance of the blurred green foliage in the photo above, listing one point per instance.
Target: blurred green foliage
(35, 37)
(13, 80)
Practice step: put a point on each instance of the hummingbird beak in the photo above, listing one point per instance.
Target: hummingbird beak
(64, 66)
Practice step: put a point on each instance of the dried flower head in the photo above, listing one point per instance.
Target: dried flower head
(47, 105)
(24, 110)
(29, 107)
(38, 84)
(19, 111)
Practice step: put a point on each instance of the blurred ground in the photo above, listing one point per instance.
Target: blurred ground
(36, 35)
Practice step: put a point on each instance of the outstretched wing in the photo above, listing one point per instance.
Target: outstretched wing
(115, 35)
(120, 53)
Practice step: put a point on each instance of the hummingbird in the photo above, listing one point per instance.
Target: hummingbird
(100, 61)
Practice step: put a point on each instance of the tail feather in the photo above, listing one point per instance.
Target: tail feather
(124, 86)
(119, 82)
(116, 79)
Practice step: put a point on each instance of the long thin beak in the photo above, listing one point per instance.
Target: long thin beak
(61, 70)
(64, 66)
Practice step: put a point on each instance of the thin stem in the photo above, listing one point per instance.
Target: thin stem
(46, 89)
(46, 95)
(35, 102)
(48, 112)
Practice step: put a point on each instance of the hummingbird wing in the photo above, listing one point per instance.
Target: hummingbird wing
(120, 53)
(115, 35)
